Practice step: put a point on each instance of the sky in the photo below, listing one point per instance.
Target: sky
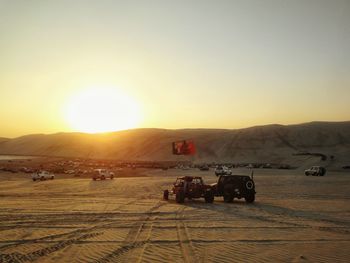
(180, 64)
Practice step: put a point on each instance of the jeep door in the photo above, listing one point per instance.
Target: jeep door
(196, 186)
(220, 185)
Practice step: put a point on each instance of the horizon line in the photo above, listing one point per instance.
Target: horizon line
(173, 129)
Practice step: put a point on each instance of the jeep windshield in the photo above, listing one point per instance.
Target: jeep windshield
(179, 182)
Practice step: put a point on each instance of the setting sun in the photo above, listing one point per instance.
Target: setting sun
(101, 109)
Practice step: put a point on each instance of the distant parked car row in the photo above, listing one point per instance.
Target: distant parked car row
(101, 174)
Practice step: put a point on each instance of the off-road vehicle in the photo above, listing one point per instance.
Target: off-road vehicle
(316, 171)
(235, 186)
(190, 187)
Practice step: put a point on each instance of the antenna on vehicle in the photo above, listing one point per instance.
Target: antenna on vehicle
(252, 174)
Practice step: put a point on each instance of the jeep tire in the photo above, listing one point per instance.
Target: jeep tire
(180, 197)
(228, 197)
(166, 195)
(250, 198)
(209, 197)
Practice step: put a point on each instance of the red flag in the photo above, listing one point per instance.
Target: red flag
(185, 147)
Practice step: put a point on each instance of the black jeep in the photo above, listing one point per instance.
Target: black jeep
(235, 186)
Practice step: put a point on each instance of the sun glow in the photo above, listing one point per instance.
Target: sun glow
(101, 109)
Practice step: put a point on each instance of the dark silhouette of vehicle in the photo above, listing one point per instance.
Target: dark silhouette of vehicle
(204, 168)
(190, 187)
(235, 186)
(316, 171)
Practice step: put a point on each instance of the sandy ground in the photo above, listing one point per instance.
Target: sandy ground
(294, 219)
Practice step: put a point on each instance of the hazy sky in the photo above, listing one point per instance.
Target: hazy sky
(218, 64)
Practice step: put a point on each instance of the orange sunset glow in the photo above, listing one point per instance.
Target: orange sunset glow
(170, 64)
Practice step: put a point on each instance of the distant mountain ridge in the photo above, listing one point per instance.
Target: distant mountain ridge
(269, 143)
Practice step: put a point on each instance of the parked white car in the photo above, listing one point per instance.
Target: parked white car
(43, 175)
(222, 170)
(102, 174)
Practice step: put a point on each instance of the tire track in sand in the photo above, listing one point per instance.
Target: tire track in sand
(138, 237)
(187, 249)
(73, 237)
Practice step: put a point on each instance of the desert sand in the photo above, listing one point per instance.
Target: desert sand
(294, 219)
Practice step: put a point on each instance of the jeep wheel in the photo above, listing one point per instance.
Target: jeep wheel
(307, 174)
(103, 178)
(250, 198)
(209, 197)
(52, 177)
(166, 195)
(34, 179)
(111, 177)
(180, 197)
(42, 178)
(228, 198)
(94, 179)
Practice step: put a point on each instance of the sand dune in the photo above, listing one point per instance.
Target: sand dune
(271, 143)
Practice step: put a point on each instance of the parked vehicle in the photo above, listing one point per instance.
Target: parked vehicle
(26, 170)
(102, 174)
(190, 187)
(204, 168)
(266, 166)
(284, 166)
(235, 186)
(316, 171)
(43, 175)
(222, 170)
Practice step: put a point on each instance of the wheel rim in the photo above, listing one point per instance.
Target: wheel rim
(249, 185)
